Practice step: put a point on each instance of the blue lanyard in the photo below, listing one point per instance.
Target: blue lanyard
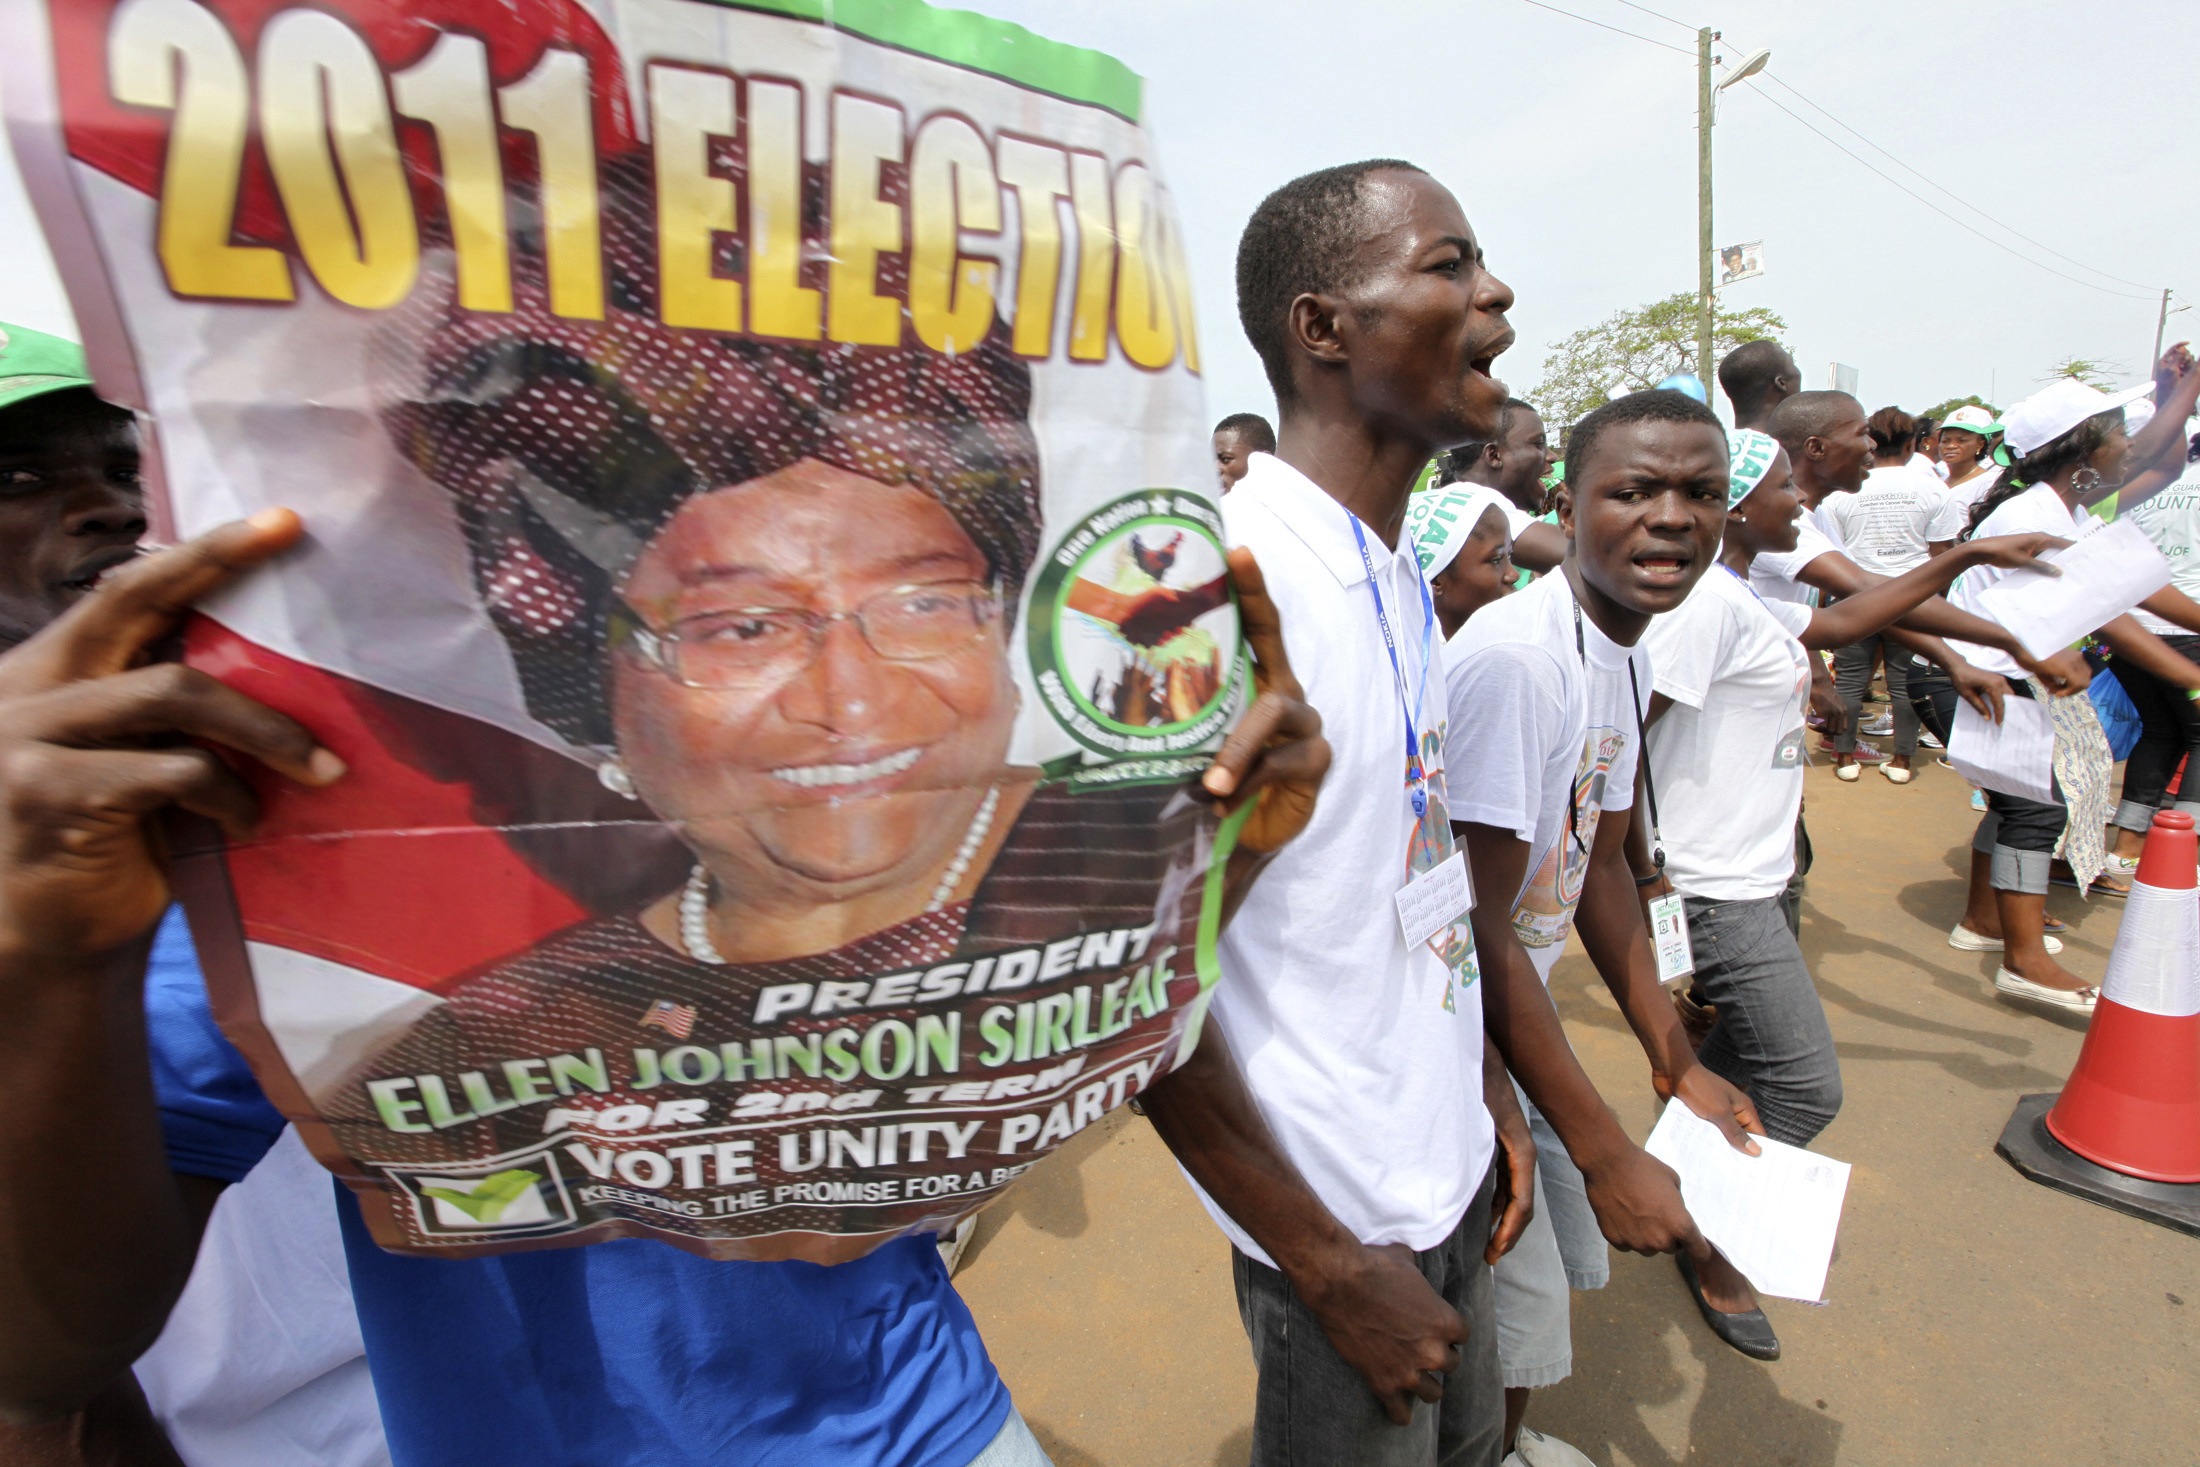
(1417, 778)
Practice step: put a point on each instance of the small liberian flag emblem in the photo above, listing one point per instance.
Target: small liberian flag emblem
(676, 1019)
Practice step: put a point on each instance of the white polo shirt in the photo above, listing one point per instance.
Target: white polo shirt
(1364, 1057)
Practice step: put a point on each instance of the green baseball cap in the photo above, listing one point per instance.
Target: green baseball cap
(33, 364)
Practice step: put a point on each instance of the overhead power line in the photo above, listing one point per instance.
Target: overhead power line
(1789, 88)
(2151, 292)
(1951, 218)
(1661, 15)
(1600, 25)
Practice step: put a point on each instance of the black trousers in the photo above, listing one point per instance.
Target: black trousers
(2169, 724)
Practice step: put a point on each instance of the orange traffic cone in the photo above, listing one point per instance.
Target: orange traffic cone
(2125, 1132)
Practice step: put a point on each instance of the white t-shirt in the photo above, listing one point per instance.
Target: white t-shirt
(1541, 722)
(1773, 574)
(2038, 509)
(261, 1360)
(2171, 519)
(1975, 488)
(1727, 758)
(1892, 521)
(1364, 1057)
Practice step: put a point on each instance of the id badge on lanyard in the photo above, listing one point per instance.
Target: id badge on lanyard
(1435, 898)
(1669, 937)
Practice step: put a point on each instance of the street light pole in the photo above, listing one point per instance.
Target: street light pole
(1704, 38)
(2161, 326)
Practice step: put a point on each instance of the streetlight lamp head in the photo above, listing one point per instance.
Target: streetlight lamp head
(1753, 63)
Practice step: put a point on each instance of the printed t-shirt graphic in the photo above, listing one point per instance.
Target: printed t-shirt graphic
(1543, 722)
(2171, 519)
(772, 707)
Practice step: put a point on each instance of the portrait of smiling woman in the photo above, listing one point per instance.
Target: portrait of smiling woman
(770, 590)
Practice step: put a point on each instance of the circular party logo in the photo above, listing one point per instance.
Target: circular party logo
(1134, 634)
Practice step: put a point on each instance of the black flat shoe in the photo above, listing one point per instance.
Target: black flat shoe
(1749, 1332)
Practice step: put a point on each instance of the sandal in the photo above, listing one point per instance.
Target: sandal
(2071, 1000)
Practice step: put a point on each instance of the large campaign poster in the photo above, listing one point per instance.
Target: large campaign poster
(764, 575)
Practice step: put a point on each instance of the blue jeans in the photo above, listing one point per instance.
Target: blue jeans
(1770, 1040)
(1311, 1409)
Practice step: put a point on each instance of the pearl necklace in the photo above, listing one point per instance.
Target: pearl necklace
(695, 899)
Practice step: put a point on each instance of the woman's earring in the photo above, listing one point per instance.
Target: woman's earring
(612, 775)
(2086, 480)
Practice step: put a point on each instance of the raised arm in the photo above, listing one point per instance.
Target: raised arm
(2156, 457)
(1837, 575)
(96, 1235)
(1888, 600)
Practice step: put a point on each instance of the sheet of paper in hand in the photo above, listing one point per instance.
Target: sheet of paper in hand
(1775, 1215)
(764, 576)
(2102, 576)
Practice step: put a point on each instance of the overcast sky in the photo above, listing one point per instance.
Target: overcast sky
(1574, 151)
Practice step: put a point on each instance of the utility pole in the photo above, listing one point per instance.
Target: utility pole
(2161, 327)
(1704, 247)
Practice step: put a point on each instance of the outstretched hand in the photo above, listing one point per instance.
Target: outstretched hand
(1981, 689)
(92, 747)
(2018, 552)
(1276, 755)
(2064, 673)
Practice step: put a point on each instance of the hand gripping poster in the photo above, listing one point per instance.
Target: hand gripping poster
(763, 574)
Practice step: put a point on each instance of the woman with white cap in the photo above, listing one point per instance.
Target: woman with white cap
(1966, 452)
(2070, 451)
(1726, 763)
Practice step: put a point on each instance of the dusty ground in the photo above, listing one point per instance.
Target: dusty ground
(1974, 1317)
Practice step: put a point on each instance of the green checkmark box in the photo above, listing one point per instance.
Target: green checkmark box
(491, 1195)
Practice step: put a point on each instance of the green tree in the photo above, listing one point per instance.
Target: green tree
(1938, 412)
(1637, 349)
(2091, 372)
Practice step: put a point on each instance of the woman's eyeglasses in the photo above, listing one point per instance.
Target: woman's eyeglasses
(750, 646)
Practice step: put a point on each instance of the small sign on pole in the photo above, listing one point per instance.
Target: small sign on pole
(1841, 377)
(1741, 261)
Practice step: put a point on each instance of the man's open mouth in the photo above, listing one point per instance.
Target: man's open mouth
(833, 776)
(1665, 564)
(92, 571)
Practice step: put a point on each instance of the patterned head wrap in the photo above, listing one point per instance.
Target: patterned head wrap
(1440, 520)
(568, 444)
(1752, 453)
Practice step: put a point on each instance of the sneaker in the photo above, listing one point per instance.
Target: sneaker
(1534, 1449)
(1881, 726)
(1925, 737)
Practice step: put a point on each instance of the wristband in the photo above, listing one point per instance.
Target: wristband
(1657, 876)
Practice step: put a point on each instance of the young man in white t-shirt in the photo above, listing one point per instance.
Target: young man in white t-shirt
(1726, 756)
(1546, 692)
(1364, 292)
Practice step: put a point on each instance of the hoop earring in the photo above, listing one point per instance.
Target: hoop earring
(2086, 480)
(612, 775)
